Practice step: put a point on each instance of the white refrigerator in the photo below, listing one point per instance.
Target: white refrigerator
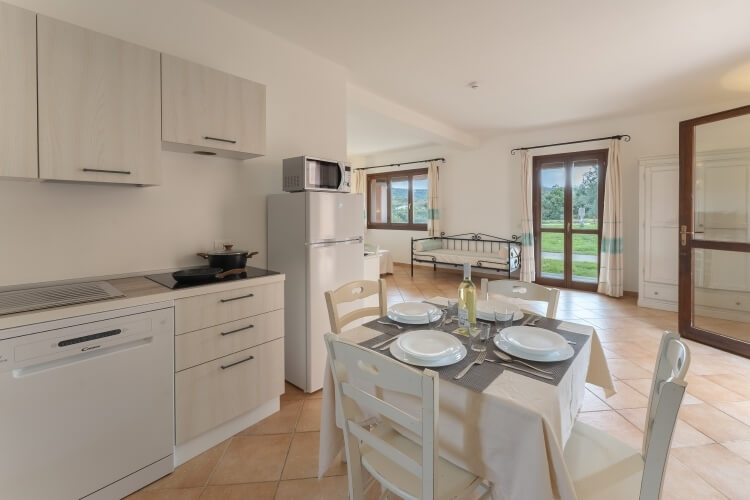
(316, 240)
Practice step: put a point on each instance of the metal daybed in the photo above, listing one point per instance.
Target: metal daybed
(482, 251)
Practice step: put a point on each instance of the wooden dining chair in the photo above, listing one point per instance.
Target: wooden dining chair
(404, 467)
(603, 467)
(524, 291)
(350, 292)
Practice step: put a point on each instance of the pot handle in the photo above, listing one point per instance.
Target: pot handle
(250, 254)
(230, 273)
(202, 254)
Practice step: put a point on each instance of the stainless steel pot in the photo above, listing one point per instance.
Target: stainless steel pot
(228, 258)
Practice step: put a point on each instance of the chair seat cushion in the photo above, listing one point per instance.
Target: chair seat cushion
(453, 481)
(601, 466)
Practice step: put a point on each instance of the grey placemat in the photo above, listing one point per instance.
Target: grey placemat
(481, 376)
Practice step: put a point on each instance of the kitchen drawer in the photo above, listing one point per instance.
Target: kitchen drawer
(197, 347)
(660, 292)
(202, 311)
(213, 393)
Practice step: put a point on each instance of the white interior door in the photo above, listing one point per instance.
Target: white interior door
(330, 265)
(334, 216)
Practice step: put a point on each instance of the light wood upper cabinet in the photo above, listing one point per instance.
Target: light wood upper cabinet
(99, 107)
(208, 111)
(18, 157)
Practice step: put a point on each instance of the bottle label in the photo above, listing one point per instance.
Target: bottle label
(463, 317)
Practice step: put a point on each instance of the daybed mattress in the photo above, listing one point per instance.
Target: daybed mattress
(448, 256)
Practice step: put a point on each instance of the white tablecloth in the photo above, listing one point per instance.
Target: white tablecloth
(512, 433)
(386, 261)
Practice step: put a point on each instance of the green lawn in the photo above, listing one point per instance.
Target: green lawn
(558, 223)
(582, 269)
(584, 244)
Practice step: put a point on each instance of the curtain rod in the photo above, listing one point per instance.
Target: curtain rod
(404, 163)
(624, 137)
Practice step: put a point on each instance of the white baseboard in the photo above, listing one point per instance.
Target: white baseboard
(135, 481)
(207, 440)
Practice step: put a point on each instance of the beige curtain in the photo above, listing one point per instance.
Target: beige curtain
(528, 267)
(433, 199)
(359, 185)
(611, 259)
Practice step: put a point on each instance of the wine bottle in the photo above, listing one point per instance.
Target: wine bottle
(467, 303)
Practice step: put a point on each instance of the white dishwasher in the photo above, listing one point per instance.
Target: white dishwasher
(87, 404)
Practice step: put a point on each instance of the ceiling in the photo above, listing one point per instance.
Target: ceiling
(371, 132)
(538, 63)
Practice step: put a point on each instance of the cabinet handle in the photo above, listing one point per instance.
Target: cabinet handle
(224, 367)
(124, 172)
(209, 138)
(238, 330)
(238, 298)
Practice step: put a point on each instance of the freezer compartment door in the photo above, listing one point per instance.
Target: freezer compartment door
(329, 267)
(334, 217)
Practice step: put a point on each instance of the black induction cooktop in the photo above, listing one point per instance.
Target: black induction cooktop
(168, 281)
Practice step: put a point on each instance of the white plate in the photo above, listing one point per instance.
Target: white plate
(486, 309)
(533, 340)
(429, 345)
(565, 353)
(400, 355)
(414, 313)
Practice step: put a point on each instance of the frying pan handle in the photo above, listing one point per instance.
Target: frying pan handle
(230, 273)
(250, 254)
(202, 254)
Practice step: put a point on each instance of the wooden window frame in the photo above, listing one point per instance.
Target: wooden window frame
(389, 176)
(566, 159)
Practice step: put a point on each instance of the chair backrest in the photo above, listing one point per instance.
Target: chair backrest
(350, 363)
(350, 292)
(524, 291)
(667, 390)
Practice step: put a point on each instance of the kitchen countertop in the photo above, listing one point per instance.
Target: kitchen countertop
(138, 290)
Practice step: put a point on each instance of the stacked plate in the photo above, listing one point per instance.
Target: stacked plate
(486, 309)
(429, 348)
(414, 313)
(534, 344)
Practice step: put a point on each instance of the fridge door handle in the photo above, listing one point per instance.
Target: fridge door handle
(329, 243)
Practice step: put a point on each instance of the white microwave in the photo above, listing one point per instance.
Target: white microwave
(305, 173)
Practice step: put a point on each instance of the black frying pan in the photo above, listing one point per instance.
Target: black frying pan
(204, 274)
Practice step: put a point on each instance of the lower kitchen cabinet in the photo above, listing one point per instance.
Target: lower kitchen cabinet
(213, 393)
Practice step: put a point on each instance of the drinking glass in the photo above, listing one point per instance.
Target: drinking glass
(436, 323)
(503, 317)
(479, 336)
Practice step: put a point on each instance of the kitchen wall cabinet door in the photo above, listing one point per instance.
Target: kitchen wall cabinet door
(99, 107)
(207, 111)
(18, 153)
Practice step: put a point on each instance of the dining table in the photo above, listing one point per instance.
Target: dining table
(503, 425)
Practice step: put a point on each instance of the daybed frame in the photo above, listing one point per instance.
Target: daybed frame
(466, 241)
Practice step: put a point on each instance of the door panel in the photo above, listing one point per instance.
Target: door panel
(714, 231)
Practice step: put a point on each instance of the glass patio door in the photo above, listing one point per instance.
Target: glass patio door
(568, 201)
(714, 263)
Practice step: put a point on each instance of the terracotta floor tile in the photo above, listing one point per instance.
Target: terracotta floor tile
(292, 393)
(718, 466)
(626, 396)
(252, 459)
(625, 369)
(176, 494)
(282, 422)
(254, 491)
(684, 433)
(714, 423)
(193, 473)
(302, 460)
(309, 419)
(738, 384)
(741, 448)
(681, 483)
(706, 389)
(328, 488)
(593, 403)
(738, 409)
(615, 424)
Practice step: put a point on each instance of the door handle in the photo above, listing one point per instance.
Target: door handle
(684, 232)
(568, 226)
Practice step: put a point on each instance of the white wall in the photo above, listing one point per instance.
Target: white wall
(479, 188)
(51, 231)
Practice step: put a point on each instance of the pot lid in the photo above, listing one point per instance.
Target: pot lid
(228, 250)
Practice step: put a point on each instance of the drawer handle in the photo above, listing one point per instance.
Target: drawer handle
(124, 172)
(238, 298)
(209, 138)
(238, 330)
(224, 367)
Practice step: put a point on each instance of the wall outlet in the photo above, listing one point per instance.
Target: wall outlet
(219, 244)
